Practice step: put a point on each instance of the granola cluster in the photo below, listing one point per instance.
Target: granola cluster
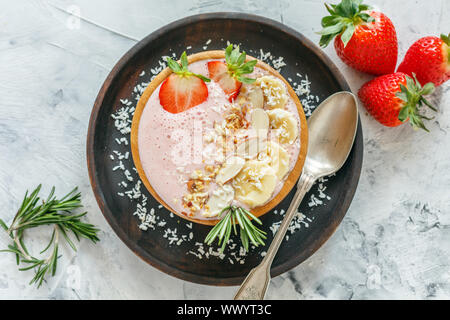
(235, 118)
(197, 193)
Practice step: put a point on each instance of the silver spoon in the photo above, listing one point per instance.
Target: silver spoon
(331, 129)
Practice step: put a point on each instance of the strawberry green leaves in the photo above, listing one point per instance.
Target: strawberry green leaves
(343, 19)
(237, 66)
(412, 94)
(446, 39)
(182, 69)
(230, 74)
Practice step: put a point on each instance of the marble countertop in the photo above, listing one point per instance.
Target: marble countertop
(54, 55)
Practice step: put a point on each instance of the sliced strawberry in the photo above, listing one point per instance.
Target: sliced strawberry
(218, 71)
(179, 93)
(230, 74)
(183, 89)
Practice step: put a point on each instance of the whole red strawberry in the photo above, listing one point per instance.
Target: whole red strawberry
(429, 59)
(393, 99)
(365, 40)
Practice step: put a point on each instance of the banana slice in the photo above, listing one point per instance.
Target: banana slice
(274, 92)
(278, 158)
(218, 200)
(285, 125)
(250, 95)
(255, 183)
(250, 148)
(260, 122)
(229, 169)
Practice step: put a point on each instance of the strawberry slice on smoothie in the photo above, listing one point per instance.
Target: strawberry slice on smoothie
(229, 74)
(183, 89)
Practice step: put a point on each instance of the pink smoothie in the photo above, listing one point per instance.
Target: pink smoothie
(173, 146)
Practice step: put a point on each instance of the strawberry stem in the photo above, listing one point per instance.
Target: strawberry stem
(343, 19)
(412, 94)
(237, 66)
(446, 39)
(181, 68)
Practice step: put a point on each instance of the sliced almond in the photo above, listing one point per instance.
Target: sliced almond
(256, 96)
(250, 148)
(229, 169)
(251, 94)
(260, 122)
(218, 200)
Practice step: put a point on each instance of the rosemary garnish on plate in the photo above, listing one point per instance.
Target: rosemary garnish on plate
(248, 231)
(59, 213)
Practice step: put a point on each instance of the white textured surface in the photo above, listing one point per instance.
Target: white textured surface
(393, 243)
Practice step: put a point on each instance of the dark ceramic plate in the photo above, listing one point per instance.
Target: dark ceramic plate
(252, 33)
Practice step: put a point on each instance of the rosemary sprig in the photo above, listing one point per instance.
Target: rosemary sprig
(51, 211)
(248, 231)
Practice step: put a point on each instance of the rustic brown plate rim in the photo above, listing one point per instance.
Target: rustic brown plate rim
(98, 192)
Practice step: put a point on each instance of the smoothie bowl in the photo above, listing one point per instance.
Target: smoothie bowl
(215, 130)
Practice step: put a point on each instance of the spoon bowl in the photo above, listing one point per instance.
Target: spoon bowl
(332, 130)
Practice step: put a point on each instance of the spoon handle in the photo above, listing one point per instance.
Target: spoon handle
(257, 281)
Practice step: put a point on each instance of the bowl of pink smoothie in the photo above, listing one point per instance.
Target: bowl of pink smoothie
(247, 152)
